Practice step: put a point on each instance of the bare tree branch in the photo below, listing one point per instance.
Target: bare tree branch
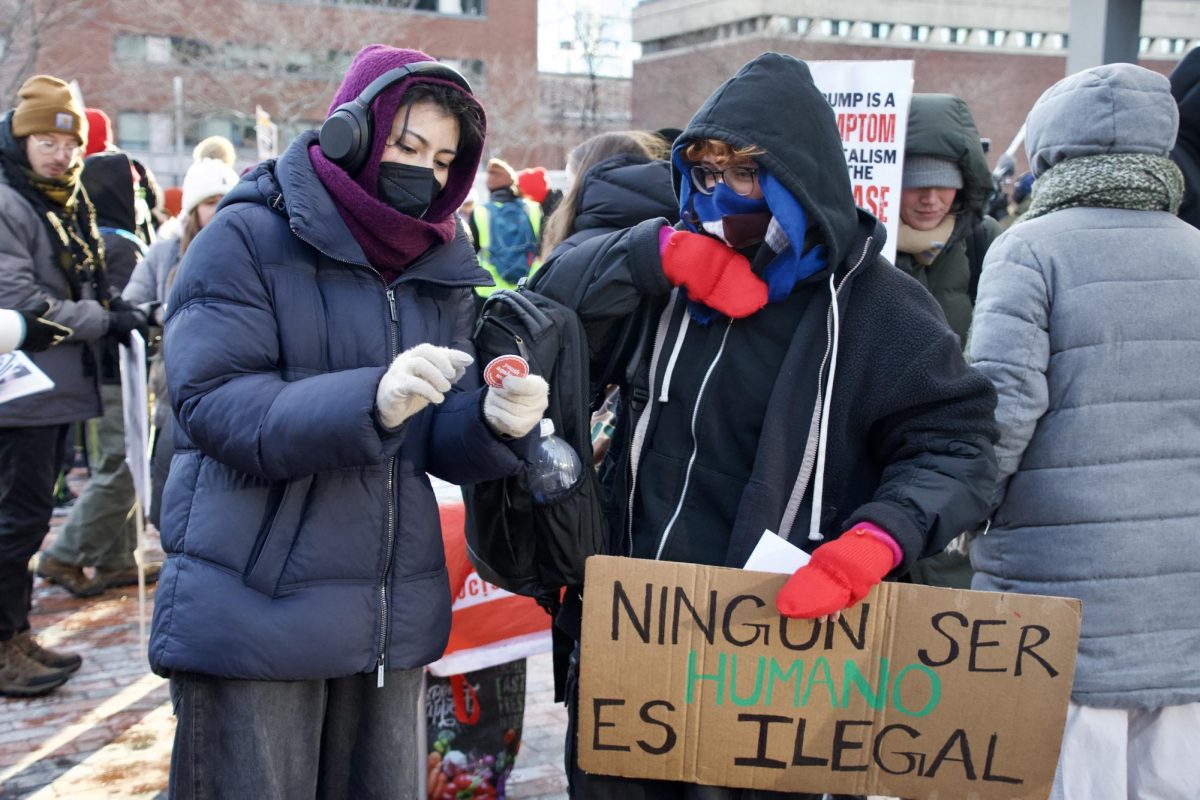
(25, 26)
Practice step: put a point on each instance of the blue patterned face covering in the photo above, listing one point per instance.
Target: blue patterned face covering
(738, 221)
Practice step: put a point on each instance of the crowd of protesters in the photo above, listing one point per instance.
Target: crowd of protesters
(1013, 405)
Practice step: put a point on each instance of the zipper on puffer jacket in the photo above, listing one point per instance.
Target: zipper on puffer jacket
(393, 346)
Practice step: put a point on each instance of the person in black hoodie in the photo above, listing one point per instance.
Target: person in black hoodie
(101, 531)
(1185, 88)
(817, 391)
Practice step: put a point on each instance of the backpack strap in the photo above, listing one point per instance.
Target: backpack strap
(124, 234)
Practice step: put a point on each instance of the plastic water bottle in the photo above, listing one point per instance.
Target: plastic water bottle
(555, 467)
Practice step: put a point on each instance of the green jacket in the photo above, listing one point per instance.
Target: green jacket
(941, 125)
(949, 277)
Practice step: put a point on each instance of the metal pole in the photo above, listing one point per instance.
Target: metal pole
(180, 161)
(1103, 32)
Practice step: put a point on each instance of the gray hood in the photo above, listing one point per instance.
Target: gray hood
(1115, 108)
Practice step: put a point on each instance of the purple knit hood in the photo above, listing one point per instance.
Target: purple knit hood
(389, 239)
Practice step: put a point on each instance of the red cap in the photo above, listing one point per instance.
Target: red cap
(533, 184)
(173, 200)
(100, 134)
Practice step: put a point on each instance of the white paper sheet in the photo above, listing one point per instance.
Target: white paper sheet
(774, 554)
(20, 377)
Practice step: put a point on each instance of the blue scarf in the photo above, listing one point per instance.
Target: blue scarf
(790, 266)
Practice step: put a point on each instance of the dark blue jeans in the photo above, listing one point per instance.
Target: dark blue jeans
(294, 740)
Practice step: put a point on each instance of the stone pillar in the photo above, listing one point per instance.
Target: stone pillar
(1103, 32)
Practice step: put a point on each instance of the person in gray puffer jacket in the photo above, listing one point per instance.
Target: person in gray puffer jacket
(1086, 323)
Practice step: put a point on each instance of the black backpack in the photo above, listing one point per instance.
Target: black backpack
(525, 547)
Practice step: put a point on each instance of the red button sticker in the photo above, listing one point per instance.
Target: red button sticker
(501, 367)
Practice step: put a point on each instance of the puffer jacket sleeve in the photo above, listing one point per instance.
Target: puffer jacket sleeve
(462, 448)
(20, 289)
(1010, 344)
(606, 279)
(224, 372)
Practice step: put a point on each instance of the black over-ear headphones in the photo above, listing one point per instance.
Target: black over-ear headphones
(347, 133)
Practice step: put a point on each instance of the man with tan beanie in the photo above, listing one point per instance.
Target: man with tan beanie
(506, 230)
(50, 252)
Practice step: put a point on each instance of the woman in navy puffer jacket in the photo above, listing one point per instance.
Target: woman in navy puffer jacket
(319, 364)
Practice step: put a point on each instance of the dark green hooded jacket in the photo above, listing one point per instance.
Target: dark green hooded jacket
(941, 125)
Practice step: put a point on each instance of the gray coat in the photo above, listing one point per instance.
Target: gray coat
(1086, 323)
(150, 283)
(28, 276)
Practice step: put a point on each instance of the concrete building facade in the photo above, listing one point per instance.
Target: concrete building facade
(998, 56)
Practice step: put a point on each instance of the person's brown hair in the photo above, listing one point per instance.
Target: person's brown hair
(585, 156)
(717, 151)
(188, 230)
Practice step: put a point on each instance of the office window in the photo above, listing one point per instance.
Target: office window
(955, 35)
(133, 130)
(127, 47)
(881, 30)
(1033, 39)
(835, 27)
(916, 33)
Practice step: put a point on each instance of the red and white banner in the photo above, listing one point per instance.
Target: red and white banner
(490, 626)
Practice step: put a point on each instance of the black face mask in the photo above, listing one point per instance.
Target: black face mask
(407, 188)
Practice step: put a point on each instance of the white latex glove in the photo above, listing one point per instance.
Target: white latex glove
(419, 376)
(517, 407)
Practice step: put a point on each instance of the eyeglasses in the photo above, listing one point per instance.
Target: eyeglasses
(741, 179)
(49, 147)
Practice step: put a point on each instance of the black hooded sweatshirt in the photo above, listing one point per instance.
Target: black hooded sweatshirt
(1185, 87)
(910, 434)
(619, 192)
(108, 180)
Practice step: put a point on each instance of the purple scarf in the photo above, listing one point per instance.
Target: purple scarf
(390, 240)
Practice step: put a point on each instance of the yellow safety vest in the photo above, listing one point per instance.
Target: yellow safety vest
(481, 215)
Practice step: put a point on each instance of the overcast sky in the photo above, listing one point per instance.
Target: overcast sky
(556, 24)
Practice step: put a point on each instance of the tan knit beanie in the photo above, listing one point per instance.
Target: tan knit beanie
(500, 175)
(47, 106)
(217, 147)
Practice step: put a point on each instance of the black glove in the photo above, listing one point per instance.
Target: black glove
(124, 318)
(153, 311)
(41, 333)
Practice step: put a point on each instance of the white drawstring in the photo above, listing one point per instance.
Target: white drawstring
(666, 384)
(814, 523)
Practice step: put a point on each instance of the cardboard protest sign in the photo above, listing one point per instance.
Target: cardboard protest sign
(870, 100)
(688, 673)
(135, 399)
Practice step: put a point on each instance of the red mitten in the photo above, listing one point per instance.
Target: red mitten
(713, 274)
(840, 573)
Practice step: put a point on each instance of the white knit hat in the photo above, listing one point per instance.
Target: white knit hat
(206, 178)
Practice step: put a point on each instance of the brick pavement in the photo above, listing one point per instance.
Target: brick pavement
(107, 732)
